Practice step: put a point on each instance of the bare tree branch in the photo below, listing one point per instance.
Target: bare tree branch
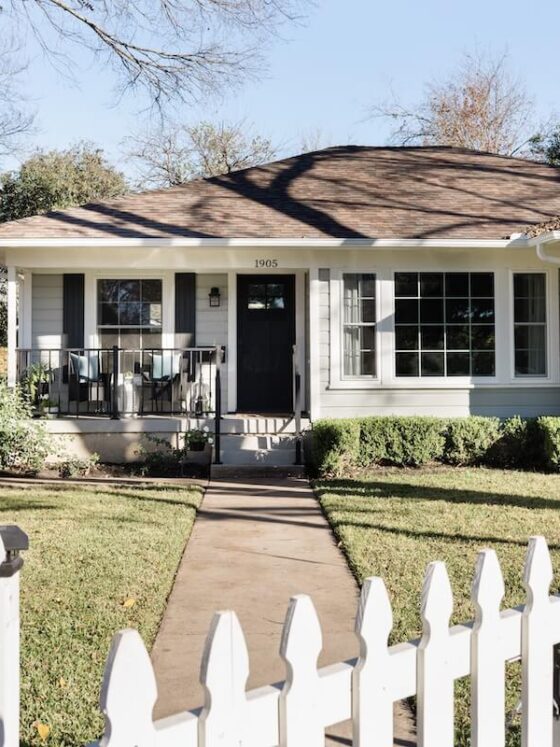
(480, 107)
(202, 45)
(15, 121)
(185, 152)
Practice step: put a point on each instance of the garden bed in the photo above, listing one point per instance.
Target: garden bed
(393, 522)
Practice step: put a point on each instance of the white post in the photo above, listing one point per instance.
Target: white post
(487, 656)
(434, 675)
(314, 405)
(12, 324)
(372, 704)
(9, 636)
(300, 700)
(536, 648)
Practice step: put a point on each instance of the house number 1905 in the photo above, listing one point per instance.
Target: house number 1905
(260, 263)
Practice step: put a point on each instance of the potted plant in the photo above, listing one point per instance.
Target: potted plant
(48, 408)
(36, 381)
(197, 439)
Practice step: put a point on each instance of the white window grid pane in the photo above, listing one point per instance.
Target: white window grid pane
(353, 324)
(445, 324)
(542, 352)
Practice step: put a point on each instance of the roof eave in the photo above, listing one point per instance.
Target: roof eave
(517, 241)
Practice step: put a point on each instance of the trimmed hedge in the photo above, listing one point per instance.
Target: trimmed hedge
(410, 441)
(342, 445)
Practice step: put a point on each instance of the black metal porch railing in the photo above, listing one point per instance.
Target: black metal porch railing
(115, 382)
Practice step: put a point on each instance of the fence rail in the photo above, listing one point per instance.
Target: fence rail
(117, 381)
(296, 713)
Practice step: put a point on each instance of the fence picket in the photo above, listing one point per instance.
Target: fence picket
(372, 705)
(128, 694)
(536, 648)
(300, 701)
(224, 674)
(434, 675)
(487, 655)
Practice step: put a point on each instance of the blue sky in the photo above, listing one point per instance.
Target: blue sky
(323, 73)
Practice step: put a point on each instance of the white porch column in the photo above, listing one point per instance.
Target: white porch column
(314, 345)
(12, 324)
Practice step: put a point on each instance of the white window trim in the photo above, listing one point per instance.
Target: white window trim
(336, 293)
(442, 382)
(91, 332)
(551, 375)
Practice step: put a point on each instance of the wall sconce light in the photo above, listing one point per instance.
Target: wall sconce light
(214, 297)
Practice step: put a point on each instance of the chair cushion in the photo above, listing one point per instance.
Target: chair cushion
(86, 367)
(165, 366)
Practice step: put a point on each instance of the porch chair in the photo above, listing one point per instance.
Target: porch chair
(163, 374)
(85, 374)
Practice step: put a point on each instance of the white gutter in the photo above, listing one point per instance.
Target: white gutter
(547, 238)
(61, 243)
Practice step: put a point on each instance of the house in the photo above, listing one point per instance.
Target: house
(344, 282)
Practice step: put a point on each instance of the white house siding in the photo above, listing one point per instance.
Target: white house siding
(212, 323)
(503, 396)
(46, 311)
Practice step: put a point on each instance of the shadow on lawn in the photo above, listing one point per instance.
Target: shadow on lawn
(381, 489)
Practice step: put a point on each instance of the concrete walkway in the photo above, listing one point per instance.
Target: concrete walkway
(255, 543)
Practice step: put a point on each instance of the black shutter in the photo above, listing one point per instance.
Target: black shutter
(73, 310)
(185, 309)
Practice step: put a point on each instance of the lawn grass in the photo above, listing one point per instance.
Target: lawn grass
(91, 550)
(395, 521)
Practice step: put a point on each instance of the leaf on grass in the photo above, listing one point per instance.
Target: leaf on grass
(43, 730)
(128, 603)
(62, 683)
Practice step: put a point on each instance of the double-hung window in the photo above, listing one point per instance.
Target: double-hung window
(529, 323)
(444, 324)
(359, 324)
(129, 313)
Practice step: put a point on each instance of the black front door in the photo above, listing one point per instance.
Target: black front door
(265, 336)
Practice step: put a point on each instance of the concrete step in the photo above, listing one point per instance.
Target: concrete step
(260, 424)
(247, 471)
(264, 449)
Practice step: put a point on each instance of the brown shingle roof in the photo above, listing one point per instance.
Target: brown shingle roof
(342, 192)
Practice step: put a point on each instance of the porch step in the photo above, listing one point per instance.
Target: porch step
(271, 450)
(246, 471)
(260, 424)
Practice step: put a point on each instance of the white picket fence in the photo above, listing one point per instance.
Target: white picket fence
(297, 712)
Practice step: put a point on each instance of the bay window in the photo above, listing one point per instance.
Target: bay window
(444, 324)
(529, 323)
(359, 324)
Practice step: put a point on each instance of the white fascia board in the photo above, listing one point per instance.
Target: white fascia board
(518, 242)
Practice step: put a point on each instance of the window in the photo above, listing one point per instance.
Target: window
(266, 296)
(529, 323)
(444, 324)
(359, 317)
(129, 313)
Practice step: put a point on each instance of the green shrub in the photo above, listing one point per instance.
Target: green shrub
(403, 441)
(520, 446)
(24, 443)
(468, 440)
(340, 445)
(78, 467)
(550, 429)
(335, 446)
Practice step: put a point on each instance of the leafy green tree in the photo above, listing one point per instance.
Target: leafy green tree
(546, 146)
(58, 179)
